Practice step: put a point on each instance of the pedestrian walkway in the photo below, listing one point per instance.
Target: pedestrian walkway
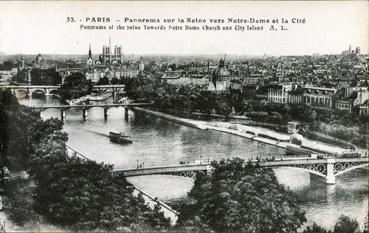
(151, 201)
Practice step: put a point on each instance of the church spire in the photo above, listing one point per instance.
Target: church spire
(89, 51)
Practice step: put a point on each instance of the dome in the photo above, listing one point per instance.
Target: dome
(39, 58)
(220, 75)
(221, 72)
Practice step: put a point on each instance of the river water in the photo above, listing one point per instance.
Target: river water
(160, 142)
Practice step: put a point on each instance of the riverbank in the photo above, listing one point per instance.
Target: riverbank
(183, 121)
(259, 134)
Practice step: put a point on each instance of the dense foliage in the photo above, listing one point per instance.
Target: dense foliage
(239, 198)
(344, 224)
(167, 97)
(66, 190)
(39, 77)
(85, 195)
(45, 77)
(21, 77)
(345, 126)
(75, 85)
(7, 65)
(16, 124)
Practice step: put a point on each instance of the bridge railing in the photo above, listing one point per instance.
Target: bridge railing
(76, 153)
(156, 200)
(205, 165)
(342, 160)
(89, 105)
(165, 167)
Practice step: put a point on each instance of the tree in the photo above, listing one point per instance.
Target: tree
(239, 198)
(7, 65)
(16, 126)
(20, 77)
(115, 81)
(75, 86)
(222, 107)
(315, 229)
(71, 195)
(366, 224)
(345, 225)
(19, 204)
(103, 81)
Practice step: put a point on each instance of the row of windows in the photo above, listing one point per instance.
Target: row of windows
(317, 100)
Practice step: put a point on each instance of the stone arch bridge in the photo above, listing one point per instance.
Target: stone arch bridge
(328, 168)
(49, 89)
(85, 107)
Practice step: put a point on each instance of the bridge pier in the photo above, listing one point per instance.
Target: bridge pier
(84, 114)
(330, 178)
(126, 115)
(62, 114)
(209, 170)
(105, 113)
(47, 91)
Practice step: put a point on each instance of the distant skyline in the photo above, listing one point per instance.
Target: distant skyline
(39, 27)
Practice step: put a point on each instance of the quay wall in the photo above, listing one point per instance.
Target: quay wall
(254, 133)
(179, 120)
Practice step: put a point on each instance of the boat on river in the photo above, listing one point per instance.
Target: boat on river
(119, 138)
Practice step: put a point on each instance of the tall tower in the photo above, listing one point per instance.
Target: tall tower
(89, 52)
(89, 59)
(29, 77)
(21, 64)
(118, 53)
(357, 50)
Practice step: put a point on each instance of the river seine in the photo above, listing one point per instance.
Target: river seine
(160, 142)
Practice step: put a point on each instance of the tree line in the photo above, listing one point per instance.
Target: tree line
(39, 77)
(166, 97)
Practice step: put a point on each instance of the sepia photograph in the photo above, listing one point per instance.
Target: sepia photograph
(184, 116)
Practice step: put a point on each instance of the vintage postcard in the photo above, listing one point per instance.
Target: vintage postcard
(184, 116)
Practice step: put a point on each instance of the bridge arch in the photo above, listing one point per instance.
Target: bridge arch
(44, 92)
(20, 92)
(351, 168)
(306, 169)
(53, 91)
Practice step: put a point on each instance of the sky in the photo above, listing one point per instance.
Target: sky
(28, 27)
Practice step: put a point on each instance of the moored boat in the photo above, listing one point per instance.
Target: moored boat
(119, 138)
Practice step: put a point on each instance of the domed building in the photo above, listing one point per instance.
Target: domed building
(39, 59)
(220, 79)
